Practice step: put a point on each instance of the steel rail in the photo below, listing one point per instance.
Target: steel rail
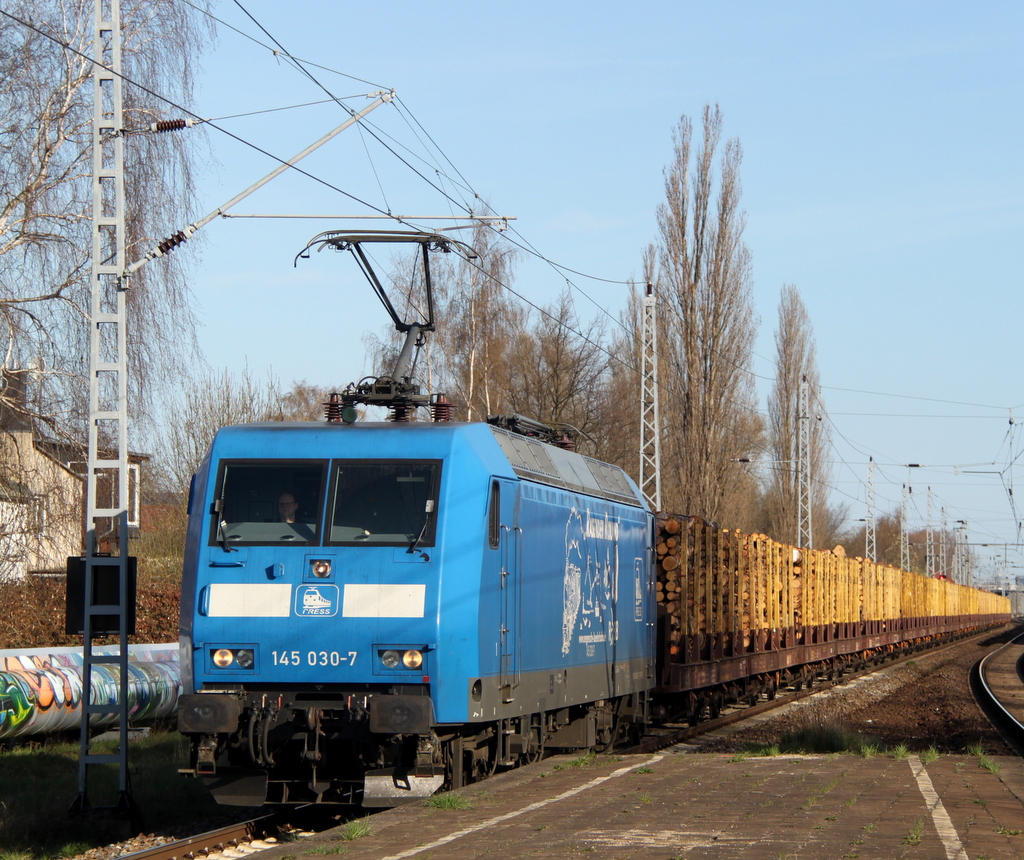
(203, 844)
(1005, 722)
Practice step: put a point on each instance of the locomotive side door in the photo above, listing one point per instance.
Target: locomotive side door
(507, 537)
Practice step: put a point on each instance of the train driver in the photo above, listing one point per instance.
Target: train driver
(287, 507)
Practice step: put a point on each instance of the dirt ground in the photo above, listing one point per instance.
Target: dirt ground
(922, 703)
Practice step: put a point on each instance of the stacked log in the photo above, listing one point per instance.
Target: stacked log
(713, 581)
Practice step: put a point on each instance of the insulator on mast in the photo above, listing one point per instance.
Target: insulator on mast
(172, 241)
(164, 125)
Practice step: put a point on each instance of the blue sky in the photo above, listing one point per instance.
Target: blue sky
(881, 174)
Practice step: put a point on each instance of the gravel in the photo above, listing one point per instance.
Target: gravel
(924, 702)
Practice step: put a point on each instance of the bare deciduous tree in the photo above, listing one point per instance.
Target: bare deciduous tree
(558, 368)
(617, 400)
(707, 329)
(208, 400)
(795, 361)
(46, 199)
(479, 324)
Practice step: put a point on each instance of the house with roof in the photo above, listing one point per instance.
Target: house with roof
(42, 491)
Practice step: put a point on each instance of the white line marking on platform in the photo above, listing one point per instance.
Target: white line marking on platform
(947, 832)
(483, 825)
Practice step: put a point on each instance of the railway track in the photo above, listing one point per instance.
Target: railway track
(241, 839)
(670, 734)
(232, 841)
(997, 683)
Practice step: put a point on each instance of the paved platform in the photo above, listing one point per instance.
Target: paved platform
(685, 805)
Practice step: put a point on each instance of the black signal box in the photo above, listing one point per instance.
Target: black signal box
(106, 591)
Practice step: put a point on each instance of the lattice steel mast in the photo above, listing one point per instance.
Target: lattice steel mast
(650, 423)
(107, 522)
(904, 538)
(106, 510)
(804, 517)
(870, 544)
(929, 540)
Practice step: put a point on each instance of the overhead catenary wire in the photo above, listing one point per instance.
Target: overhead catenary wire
(527, 246)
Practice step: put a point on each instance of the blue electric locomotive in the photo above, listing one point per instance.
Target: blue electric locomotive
(371, 611)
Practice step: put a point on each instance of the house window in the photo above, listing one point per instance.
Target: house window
(36, 521)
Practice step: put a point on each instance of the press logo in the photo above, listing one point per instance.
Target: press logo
(316, 600)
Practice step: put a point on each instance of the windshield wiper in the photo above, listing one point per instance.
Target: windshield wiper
(419, 537)
(223, 541)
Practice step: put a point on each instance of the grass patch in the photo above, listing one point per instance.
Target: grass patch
(978, 750)
(1006, 831)
(40, 782)
(451, 800)
(585, 760)
(822, 740)
(644, 769)
(355, 829)
(757, 751)
(899, 752)
(929, 755)
(914, 836)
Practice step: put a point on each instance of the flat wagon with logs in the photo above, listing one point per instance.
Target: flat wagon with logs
(741, 615)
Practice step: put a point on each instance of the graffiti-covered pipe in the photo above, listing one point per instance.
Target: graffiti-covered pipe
(41, 688)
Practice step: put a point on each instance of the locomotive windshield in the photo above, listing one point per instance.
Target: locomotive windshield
(383, 502)
(269, 503)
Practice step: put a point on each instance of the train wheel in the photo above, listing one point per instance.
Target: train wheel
(715, 707)
(457, 765)
(534, 751)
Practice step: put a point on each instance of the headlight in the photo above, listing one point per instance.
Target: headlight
(233, 658)
(395, 659)
(321, 567)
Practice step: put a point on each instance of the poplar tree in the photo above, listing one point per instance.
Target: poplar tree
(795, 362)
(707, 329)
